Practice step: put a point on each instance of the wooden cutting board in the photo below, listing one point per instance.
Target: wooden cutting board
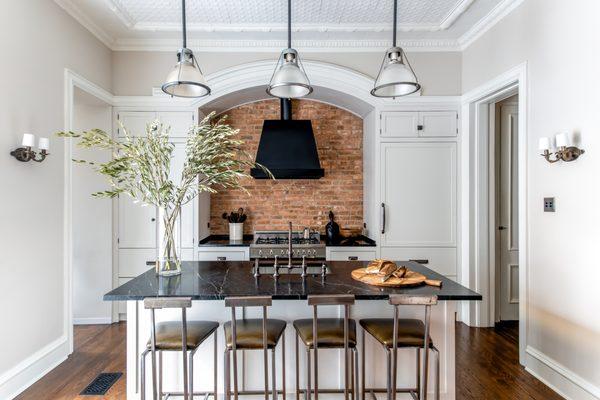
(411, 278)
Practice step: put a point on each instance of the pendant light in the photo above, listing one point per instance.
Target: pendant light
(396, 77)
(289, 80)
(186, 78)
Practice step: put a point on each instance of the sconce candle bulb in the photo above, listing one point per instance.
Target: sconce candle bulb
(564, 151)
(25, 153)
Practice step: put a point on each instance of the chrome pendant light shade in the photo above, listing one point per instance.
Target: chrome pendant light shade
(396, 77)
(186, 78)
(289, 80)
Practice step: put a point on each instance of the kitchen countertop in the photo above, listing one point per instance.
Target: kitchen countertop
(215, 280)
(223, 241)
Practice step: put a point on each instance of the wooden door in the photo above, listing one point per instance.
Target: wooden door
(418, 183)
(507, 212)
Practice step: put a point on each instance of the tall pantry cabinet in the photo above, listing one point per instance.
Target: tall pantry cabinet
(417, 156)
(136, 225)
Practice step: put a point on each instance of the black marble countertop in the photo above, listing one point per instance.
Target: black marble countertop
(215, 280)
(223, 241)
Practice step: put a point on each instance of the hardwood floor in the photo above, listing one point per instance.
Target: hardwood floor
(487, 366)
(98, 348)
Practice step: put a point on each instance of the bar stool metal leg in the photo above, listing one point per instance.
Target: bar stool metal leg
(282, 365)
(226, 375)
(191, 380)
(437, 374)
(363, 357)
(418, 362)
(273, 375)
(308, 374)
(143, 377)
(355, 386)
(160, 374)
(389, 374)
(215, 365)
(297, 368)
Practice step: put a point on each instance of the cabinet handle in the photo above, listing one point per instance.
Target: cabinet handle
(152, 219)
(382, 218)
(419, 127)
(352, 258)
(420, 261)
(221, 258)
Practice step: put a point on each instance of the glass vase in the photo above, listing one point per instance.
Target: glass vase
(168, 263)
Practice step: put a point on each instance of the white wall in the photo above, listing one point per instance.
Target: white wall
(439, 72)
(92, 219)
(560, 43)
(38, 41)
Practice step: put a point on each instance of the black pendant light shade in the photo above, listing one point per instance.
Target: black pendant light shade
(396, 77)
(186, 78)
(289, 80)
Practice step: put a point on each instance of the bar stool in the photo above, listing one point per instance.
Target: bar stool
(174, 336)
(406, 334)
(328, 333)
(253, 334)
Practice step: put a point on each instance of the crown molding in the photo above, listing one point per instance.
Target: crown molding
(501, 10)
(416, 45)
(74, 11)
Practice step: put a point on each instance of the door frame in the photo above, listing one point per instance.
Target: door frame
(477, 230)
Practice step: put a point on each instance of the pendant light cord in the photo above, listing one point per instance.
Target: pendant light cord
(289, 24)
(183, 23)
(395, 19)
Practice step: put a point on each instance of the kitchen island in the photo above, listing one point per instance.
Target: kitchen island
(208, 283)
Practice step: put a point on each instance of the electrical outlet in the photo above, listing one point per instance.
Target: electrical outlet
(549, 204)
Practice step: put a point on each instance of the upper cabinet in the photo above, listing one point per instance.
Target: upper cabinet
(414, 124)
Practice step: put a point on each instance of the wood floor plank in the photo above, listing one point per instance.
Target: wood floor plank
(487, 366)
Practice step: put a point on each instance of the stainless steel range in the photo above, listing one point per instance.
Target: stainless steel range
(271, 247)
(269, 244)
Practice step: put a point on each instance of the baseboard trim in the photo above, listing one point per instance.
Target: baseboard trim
(559, 378)
(92, 321)
(24, 374)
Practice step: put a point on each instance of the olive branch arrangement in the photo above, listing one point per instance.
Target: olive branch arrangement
(140, 167)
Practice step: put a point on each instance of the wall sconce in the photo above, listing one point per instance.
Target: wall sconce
(564, 150)
(25, 153)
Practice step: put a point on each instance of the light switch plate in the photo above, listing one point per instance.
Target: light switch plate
(549, 204)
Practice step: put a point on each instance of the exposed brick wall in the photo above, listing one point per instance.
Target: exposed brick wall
(305, 202)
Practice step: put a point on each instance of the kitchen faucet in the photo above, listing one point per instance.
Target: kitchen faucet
(290, 245)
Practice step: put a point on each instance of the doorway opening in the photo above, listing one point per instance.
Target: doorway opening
(504, 118)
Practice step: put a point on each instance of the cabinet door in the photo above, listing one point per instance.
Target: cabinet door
(441, 260)
(438, 123)
(418, 183)
(399, 124)
(350, 254)
(137, 224)
(133, 262)
(135, 122)
(179, 121)
(223, 255)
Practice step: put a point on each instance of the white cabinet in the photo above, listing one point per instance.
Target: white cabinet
(441, 260)
(413, 124)
(341, 253)
(418, 194)
(225, 253)
(137, 225)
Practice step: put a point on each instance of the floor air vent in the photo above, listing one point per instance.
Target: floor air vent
(101, 384)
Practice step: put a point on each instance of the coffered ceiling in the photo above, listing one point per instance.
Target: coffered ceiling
(318, 25)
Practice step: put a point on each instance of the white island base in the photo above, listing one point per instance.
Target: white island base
(331, 367)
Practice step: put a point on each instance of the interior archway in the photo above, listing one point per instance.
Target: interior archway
(333, 84)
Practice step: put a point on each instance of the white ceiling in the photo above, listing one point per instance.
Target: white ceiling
(360, 25)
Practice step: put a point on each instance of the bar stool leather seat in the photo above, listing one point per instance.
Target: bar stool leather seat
(411, 332)
(168, 334)
(250, 335)
(330, 332)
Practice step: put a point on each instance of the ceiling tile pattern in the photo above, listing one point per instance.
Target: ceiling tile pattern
(417, 14)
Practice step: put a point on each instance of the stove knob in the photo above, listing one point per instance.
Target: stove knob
(260, 253)
(282, 252)
(271, 252)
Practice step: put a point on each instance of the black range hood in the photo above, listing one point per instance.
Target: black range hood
(287, 148)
